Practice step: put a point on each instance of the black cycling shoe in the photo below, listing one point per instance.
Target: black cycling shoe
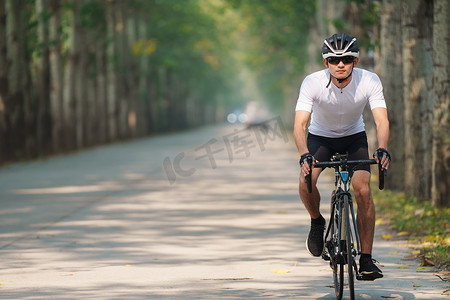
(368, 270)
(315, 244)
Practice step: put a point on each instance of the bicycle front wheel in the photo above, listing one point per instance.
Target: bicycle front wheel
(338, 277)
(349, 242)
(336, 259)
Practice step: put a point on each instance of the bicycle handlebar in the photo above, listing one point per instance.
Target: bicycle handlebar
(332, 164)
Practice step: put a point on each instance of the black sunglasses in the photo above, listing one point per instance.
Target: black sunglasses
(345, 59)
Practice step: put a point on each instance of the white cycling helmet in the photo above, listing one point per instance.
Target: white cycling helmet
(339, 45)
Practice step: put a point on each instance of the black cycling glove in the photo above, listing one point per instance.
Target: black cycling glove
(305, 157)
(380, 152)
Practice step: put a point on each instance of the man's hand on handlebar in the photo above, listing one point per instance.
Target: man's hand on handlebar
(304, 162)
(385, 157)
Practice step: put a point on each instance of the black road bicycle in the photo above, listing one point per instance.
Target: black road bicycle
(342, 244)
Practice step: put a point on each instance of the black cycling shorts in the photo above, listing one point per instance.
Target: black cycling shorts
(323, 148)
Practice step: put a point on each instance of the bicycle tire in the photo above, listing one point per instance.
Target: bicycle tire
(338, 277)
(337, 266)
(349, 242)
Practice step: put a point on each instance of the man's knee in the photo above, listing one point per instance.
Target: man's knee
(363, 192)
(303, 184)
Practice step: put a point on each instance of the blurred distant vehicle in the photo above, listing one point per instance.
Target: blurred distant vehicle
(254, 115)
(236, 117)
(257, 115)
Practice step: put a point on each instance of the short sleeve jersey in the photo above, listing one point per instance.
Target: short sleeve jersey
(338, 112)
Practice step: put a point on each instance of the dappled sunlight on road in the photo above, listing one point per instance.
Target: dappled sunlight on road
(219, 232)
(70, 189)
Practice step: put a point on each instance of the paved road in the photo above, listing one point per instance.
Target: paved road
(211, 213)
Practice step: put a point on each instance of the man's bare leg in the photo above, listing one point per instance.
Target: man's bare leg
(314, 242)
(366, 210)
(366, 224)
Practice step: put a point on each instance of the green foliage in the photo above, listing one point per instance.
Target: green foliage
(92, 14)
(189, 38)
(425, 224)
(274, 43)
(207, 43)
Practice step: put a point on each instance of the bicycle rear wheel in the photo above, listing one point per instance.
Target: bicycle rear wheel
(349, 242)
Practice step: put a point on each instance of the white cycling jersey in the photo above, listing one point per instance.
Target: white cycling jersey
(338, 112)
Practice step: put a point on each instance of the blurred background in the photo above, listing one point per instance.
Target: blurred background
(76, 74)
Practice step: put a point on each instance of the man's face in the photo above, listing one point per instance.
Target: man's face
(341, 67)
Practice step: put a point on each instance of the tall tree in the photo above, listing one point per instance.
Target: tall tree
(43, 127)
(56, 77)
(3, 82)
(417, 16)
(101, 82)
(391, 74)
(111, 65)
(440, 191)
(17, 101)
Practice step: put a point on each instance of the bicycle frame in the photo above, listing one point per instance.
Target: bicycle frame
(342, 187)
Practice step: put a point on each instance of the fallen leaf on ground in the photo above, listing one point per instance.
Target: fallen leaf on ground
(386, 236)
(416, 285)
(403, 267)
(403, 233)
(379, 222)
(281, 271)
(127, 265)
(415, 252)
(426, 262)
(394, 252)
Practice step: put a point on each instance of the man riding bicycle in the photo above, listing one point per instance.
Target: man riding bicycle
(334, 99)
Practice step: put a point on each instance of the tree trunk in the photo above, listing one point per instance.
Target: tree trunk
(417, 75)
(440, 190)
(91, 103)
(3, 83)
(121, 58)
(112, 99)
(17, 80)
(101, 61)
(44, 125)
(78, 61)
(391, 74)
(56, 77)
(73, 117)
(143, 73)
(152, 116)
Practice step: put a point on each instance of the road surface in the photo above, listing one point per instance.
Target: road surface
(210, 213)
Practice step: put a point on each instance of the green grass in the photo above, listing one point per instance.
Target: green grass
(426, 226)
